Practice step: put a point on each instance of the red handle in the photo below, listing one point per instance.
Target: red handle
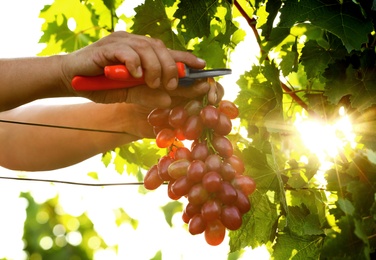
(115, 77)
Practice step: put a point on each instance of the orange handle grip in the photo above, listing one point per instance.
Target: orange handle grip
(115, 77)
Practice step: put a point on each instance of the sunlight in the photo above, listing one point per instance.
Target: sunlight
(326, 140)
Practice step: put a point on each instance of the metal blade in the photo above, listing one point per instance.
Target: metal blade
(197, 74)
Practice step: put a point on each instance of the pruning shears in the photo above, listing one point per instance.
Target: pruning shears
(117, 76)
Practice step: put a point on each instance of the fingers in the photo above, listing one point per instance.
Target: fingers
(147, 55)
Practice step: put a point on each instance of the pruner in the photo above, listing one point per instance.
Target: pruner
(117, 76)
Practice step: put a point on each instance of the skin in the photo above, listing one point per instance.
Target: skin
(31, 148)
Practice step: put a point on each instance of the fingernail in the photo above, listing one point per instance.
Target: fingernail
(172, 84)
(156, 83)
(138, 72)
(201, 60)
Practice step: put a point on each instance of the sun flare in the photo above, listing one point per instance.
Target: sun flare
(326, 139)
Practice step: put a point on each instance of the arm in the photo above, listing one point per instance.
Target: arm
(35, 148)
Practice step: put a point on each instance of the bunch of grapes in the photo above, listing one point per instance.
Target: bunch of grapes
(208, 174)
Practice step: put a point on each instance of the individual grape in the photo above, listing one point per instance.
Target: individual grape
(170, 193)
(192, 209)
(178, 168)
(211, 209)
(209, 116)
(181, 186)
(227, 171)
(223, 146)
(193, 107)
(162, 165)
(185, 217)
(182, 153)
(197, 195)
(152, 179)
(196, 224)
(193, 127)
(179, 134)
(213, 162)
(237, 163)
(165, 138)
(228, 108)
(177, 116)
(158, 116)
(212, 181)
(223, 126)
(227, 194)
(242, 202)
(199, 151)
(244, 183)
(196, 170)
(231, 217)
(215, 232)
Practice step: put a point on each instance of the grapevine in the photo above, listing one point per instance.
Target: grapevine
(208, 173)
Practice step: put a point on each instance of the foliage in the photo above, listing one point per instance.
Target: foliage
(46, 233)
(315, 56)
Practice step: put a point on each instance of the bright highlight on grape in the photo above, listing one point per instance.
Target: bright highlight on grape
(208, 173)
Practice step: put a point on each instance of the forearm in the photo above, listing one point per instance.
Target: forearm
(26, 79)
(34, 148)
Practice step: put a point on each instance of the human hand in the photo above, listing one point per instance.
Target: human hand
(141, 55)
(143, 95)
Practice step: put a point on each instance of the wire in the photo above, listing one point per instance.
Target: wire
(62, 127)
(71, 182)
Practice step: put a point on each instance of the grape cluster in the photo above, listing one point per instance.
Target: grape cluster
(208, 174)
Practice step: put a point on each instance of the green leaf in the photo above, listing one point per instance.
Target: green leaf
(136, 156)
(157, 256)
(195, 17)
(343, 80)
(170, 209)
(122, 217)
(151, 19)
(346, 206)
(253, 233)
(303, 223)
(345, 20)
(288, 246)
(260, 97)
(93, 175)
(315, 58)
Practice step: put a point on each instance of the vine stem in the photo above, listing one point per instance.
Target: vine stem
(252, 23)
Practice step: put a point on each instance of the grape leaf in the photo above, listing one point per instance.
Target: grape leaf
(252, 233)
(316, 58)
(195, 17)
(288, 246)
(272, 7)
(151, 19)
(343, 19)
(142, 154)
(260, 96)
(290, 57)
(345, 80)
(344, 245)
(302, 223)
(64, 39)
(170, 209)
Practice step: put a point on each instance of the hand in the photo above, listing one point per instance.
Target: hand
(140, 54)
